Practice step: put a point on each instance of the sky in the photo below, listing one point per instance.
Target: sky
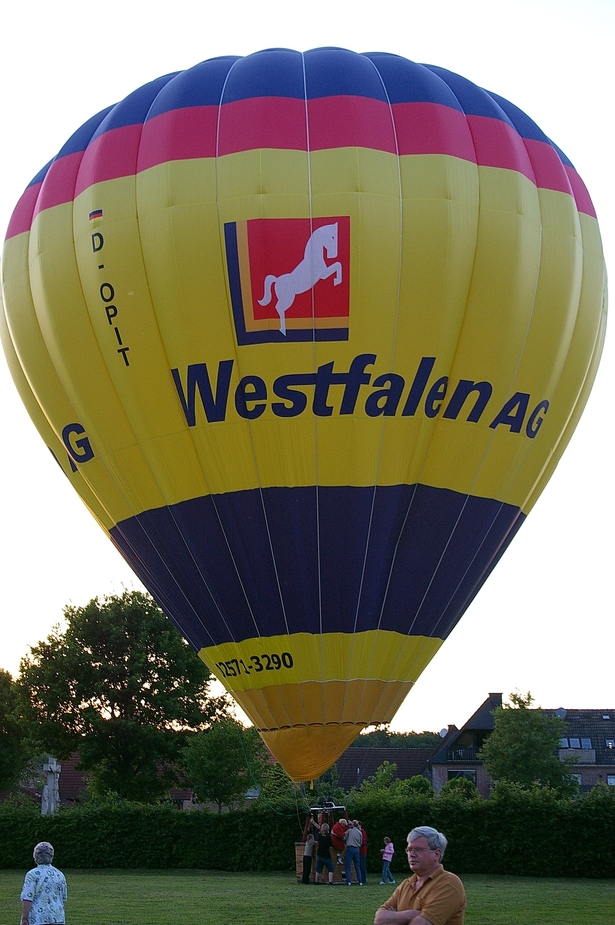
(545, 620)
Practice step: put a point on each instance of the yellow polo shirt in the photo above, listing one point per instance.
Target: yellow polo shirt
(441, 900)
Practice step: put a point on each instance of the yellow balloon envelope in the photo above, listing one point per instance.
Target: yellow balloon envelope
(308, 333)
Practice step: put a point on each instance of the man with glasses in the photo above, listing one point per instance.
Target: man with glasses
(432, 895)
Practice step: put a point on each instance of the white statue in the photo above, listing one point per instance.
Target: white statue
(50, 799)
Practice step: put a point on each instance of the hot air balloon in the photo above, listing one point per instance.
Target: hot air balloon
(308, 333)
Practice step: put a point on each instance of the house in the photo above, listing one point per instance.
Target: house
(590, 738)
(457, 755)
(357, 764)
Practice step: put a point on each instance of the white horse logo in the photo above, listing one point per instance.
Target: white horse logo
(306, 274)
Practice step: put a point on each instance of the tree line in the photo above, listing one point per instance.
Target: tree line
(118, 686)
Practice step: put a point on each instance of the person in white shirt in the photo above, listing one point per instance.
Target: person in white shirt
(44, 890)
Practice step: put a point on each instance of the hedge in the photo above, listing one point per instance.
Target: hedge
(514, 832)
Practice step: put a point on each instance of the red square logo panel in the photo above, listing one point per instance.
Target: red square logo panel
(289, 278)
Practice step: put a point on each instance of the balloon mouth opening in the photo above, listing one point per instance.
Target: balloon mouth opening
(306, 752)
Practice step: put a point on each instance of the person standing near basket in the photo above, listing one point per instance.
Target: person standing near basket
(44, 890)
(323, 853)
(308, 854)
(363, 855)
(354, 837)
(338, 833)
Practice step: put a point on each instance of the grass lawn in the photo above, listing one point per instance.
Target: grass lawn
(103, 897)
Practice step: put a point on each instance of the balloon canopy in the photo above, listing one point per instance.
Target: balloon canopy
(308, 333)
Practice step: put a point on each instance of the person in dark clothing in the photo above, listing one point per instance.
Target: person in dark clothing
(323, 853)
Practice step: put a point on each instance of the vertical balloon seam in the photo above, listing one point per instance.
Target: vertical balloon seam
(502, 501)
(317, 495)
(8, 333)
(504, 104)
(394, 664)
(235, 65)
(567, 431)
(583, 390)
(411, 501)
(137, 514)
(170, 507)
(35, 320)
(260, 488)
(384, 421)
(493, 436)
(263, 504)
(379, 705)
(95, 340)
(459, 332)
(453, 591)
(86, 486)
(212, 498)
(433, 428)
(521, 462)
(321, 642)
(9, 326)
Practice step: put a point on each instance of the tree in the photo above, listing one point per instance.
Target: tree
(460, 788)
(412, 786)
(278, 789)
(382, 779)
(13, 755)
(120, 687)
(384, 738)
(224, 762)
(326, 787)
(522, 747)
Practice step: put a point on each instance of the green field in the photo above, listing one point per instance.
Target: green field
(169, 898)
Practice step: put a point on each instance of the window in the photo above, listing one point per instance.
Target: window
(575, 743)
(606, 716)
(469, 774)
(563, 743)
(576, 777)
(586, 743)
(610, 743)
(610, 779)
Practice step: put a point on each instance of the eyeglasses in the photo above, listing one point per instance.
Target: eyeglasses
(419, 850)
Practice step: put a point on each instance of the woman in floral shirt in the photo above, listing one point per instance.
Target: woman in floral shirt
(44, 890)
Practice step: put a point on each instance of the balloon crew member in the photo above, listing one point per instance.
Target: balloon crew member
(363, 855)
(338, 834)
(308, 854)
(323, 853)
(354, 837)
